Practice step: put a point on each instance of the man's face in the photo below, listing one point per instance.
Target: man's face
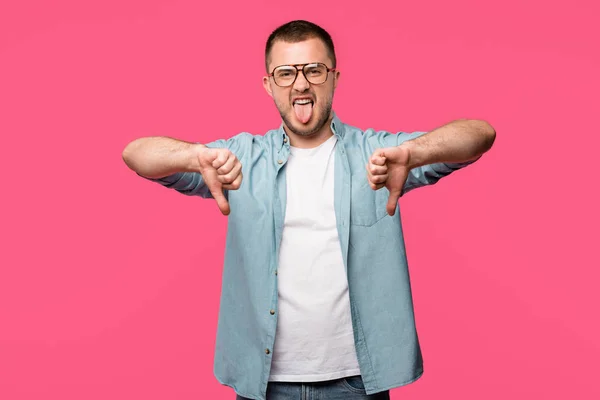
(302, 119)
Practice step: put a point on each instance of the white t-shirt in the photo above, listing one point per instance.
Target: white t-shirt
(314, 339)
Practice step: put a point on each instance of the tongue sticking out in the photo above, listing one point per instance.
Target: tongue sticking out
(303, 112)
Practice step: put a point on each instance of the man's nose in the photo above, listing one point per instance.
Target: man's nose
(301, 83)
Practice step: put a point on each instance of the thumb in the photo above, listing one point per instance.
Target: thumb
(393, 201)
(216, 189)
(221, 201)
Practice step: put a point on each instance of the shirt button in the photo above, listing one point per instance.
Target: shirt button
(275, 272)
(267, 351)
(284, 140)
(272, 312)
(279, 162)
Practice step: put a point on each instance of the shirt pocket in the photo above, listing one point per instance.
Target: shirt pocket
(367, 206)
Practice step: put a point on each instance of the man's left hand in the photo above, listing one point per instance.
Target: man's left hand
(389, 167)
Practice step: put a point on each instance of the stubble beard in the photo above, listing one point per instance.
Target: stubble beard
(322, 117)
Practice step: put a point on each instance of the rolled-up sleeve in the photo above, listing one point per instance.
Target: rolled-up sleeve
(419, 176)
(426, 174)
(191, 183)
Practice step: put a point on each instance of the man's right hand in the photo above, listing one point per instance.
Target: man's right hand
(221, 170)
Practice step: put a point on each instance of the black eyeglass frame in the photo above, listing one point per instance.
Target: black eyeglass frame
(303, 73)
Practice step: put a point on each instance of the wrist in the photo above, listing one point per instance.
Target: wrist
(195, 151)
(415, 154)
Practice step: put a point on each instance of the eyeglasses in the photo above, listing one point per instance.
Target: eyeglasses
(315, 73)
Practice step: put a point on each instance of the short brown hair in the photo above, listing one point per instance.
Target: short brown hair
(298, 31)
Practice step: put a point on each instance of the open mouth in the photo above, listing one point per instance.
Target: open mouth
(303, 109)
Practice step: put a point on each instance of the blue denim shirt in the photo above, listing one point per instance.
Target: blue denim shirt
(373, 250)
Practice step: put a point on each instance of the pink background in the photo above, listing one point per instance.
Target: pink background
(109, 284)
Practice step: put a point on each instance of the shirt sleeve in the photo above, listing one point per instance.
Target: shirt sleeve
(191, 183)
(426, 174)
(419, 176)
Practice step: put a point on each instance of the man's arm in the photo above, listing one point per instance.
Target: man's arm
(158, 157)
(459, 141)
(423, 158)
(440, 152)
(189, 168)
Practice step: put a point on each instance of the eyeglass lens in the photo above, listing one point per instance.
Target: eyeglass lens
(315, 73)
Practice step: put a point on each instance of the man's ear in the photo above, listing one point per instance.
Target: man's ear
(336, 76)
(267, 85)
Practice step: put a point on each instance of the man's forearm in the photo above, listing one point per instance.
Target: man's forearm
(157, 157)
(456, 142)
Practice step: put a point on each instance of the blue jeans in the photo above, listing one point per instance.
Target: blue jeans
(350, 388)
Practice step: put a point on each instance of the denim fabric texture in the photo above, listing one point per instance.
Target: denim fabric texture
(350, 388)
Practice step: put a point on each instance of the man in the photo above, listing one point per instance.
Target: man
(316, 300)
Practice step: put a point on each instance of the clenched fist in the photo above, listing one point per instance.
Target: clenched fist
(221, 170)
(389, 167)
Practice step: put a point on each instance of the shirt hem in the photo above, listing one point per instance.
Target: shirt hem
(395, 385)
(237, 391)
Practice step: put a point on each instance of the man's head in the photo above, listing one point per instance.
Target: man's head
(305, 101)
